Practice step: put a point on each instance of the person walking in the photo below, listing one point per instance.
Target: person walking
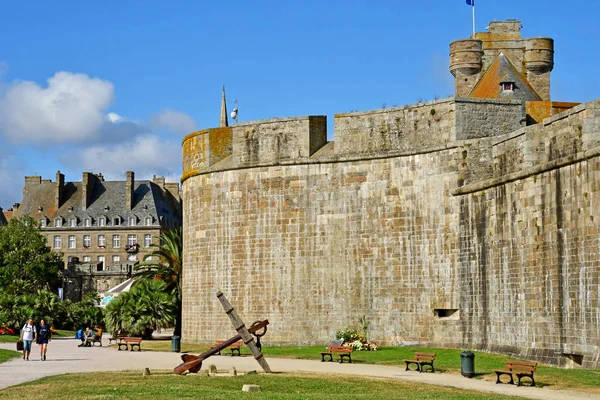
(28, 335)
(43, 337)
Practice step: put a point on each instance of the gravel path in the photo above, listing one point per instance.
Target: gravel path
(65, 357)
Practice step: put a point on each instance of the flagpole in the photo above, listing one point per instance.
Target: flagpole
(473, 19)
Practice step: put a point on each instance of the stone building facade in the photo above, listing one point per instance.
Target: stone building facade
(103, 228)
(468, 222)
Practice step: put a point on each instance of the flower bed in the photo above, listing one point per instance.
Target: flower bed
(357, 340)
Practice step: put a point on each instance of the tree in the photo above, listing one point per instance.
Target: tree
(165, 263)
(147, 307)
(25, 256)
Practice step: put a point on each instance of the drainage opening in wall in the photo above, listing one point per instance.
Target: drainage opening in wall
(573, 360)
(446, 313)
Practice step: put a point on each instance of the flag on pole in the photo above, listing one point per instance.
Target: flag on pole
(472, 3)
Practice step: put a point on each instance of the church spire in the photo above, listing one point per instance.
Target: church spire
(223, 121)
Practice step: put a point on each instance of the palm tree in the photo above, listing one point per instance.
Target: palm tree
(148, 306)
(165, 263)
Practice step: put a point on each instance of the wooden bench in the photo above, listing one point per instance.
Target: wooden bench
(519, 368)
(421, 360)
(116, 338)
(96, 339)
(234, 347)
(131, 342)
(343, 351)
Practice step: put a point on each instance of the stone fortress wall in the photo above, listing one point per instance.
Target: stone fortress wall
(446, 223)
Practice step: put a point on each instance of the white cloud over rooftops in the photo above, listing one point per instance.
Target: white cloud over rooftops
(71, 108)
(146, 154)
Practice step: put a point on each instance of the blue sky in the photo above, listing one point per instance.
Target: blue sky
(113, 86)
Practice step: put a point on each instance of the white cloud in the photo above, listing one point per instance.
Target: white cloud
(146, 155)
(70, 109)
(176, 121)
(114, 117)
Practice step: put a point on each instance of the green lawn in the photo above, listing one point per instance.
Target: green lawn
(6, 355)
(447, 361)
(164, 386)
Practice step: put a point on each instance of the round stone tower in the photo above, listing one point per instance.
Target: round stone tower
(539, 62)
(465, 64)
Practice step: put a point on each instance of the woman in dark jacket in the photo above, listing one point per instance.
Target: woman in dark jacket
(43, 337)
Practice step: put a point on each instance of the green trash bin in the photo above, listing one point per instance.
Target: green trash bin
(176, 344)
(467, 364)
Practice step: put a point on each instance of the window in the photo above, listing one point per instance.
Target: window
(116, 241)
(101, 260)
(102, 222)
(148, 221)
(58, 222)
(87, 259)
(57, 242)
(101, 241)
(73, 222)
(72, 242)
(116, 259)
(87, 222)
(507, 86)
(132, 221)
(132, 257)
(87, 241)
(147, 240)
(131, 240)
(117, 221)
(43, 222)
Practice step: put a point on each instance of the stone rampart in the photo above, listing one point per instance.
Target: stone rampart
(443, 234)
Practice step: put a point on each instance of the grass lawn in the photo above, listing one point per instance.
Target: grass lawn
(6, 355)
(164, 386)
(447, 361)
(15, 338)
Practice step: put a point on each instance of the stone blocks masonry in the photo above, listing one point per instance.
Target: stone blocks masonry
(445, 223)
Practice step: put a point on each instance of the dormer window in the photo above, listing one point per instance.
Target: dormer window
(43, 222)
(102, 222)
(132, 221)
(73, 222)
(58, 222)
(117, 221)
(507, 87)
(148, 221)
(87, 222)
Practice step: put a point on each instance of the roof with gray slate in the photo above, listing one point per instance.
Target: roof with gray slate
(107, 201)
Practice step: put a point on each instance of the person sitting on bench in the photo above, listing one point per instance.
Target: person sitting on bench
(89, 335)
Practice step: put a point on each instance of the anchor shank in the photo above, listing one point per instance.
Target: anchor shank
(243, 332)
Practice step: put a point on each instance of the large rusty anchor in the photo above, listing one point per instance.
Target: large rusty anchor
(193, 363)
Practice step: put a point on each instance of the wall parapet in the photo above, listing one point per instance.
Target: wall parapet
(566, 138)
(419, 128)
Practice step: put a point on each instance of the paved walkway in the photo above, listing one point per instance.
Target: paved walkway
(64, 357)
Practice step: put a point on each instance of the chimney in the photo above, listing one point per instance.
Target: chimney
(173, 188)
(159, 180)
(33, 180)
(60, 186)
(129, 188)
(88, 181)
